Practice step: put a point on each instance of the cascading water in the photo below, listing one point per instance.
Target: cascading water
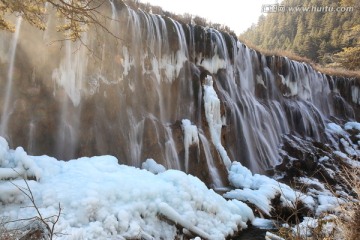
(129, 96)
(171, 156)
(214, 172)
(6, 111)
(69, 77)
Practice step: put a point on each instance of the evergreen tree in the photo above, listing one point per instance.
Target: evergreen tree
(326, 37)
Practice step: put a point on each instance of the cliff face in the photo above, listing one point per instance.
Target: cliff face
(127, 96)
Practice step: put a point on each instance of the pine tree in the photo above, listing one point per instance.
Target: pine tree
(324, 37)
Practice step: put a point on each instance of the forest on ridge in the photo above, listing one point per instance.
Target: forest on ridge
(326, 32)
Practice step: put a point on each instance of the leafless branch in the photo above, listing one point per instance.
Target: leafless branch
(47, 222)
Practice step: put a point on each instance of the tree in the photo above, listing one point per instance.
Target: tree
(349, 58)
(77, 15)
(323, 37)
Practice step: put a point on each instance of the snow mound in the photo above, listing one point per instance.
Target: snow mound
(334, 128)
(101, 199)
(260, 190)
(15, 163)
(153, 166)
(349, 146)
(352, 126)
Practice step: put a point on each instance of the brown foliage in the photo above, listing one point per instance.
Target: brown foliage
(75, 16)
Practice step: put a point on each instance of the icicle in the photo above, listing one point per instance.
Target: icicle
(213, 117)
(190, 137)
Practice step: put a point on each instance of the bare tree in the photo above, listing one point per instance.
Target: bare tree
(77, 15)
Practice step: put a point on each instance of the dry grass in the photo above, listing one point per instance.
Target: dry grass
(349, 218)
(341, 72)
(276, 52)
(342, 223)
(7, 234)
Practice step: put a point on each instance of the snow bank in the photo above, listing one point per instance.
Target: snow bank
(352, 126)
(334, 128)
(259, 190)
(101, 199)
(17, 163)
(348, 146)
(326, 200)
(347, 160)
(326, 226)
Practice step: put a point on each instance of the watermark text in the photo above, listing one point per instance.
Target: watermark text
(278, 8)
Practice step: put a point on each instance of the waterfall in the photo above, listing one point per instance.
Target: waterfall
(69, 78)
(214, 172)
(172, 158)
(114, 15)
(9, 82)
(128, 97)
(32, 132)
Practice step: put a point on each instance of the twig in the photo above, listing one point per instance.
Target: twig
(46, 221)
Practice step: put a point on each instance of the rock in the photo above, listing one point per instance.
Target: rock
(303, 157)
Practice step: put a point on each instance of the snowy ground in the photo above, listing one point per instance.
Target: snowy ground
(101, 199)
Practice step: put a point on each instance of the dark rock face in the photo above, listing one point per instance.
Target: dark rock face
(251, 233)
(127, 97)
(299, 156)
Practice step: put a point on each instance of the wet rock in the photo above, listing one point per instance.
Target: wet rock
(342, 107)
(153, 140)
(251, 233)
